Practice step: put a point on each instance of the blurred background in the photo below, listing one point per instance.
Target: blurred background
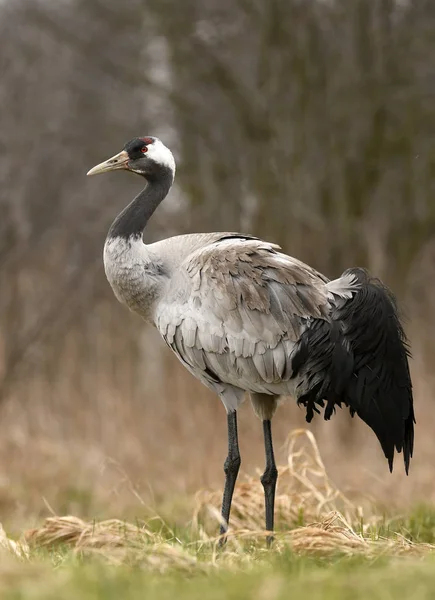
(308, 123)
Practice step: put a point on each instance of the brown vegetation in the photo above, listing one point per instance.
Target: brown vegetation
(328, 531)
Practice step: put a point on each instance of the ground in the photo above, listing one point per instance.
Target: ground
(326, 547)
(242, 571)
(283, 577)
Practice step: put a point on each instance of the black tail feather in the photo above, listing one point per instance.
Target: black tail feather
(360, 359)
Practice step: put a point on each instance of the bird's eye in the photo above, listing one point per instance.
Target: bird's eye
(144, 149)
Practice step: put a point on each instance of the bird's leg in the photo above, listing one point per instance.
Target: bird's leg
(269, 478)
(231, 468)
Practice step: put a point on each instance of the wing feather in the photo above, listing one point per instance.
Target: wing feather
(236, 307)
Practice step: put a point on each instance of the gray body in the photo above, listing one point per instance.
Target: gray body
(231, 307)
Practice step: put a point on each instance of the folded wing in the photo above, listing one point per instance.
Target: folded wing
(235, 309)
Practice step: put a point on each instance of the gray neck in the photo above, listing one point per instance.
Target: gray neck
(132, 221)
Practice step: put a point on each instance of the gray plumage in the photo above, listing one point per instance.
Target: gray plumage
(233, 311)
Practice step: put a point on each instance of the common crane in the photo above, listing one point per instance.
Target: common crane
(244, 317)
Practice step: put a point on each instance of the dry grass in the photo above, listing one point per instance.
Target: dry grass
(305, 488)
(305, 491)
(79, 534)
(114, 540)
(11, 547)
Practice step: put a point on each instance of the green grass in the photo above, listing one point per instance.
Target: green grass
(278, 578)
(247, 572)
(417, 526)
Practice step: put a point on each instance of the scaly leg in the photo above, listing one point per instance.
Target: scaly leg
(268, 479)
(231, 468)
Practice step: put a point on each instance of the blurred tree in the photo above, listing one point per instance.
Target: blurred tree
(310, 123)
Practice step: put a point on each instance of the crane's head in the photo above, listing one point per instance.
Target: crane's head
(146, 156)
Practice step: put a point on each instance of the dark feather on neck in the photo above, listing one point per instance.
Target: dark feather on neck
(132, 221)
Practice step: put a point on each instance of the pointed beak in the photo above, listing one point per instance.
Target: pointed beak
(119, 161)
